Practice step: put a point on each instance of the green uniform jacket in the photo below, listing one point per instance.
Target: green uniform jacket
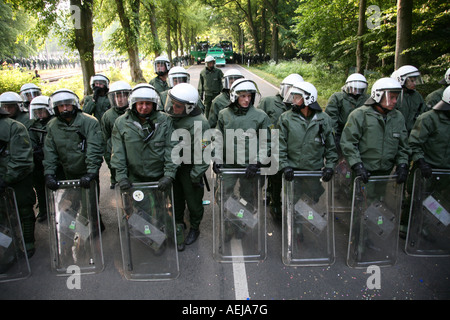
(142, 161)
(63, 145)
(339, 107)
(159, 85)
(210, 82)
(96, 108)
(233, 118)
(306, 145)
(187, 123)
(434, 97)
(16, 154)
(24, 118)
(411, 104)
(377, 143)
(219, 103)
(429, 139)
(273, 106)
(107, 125)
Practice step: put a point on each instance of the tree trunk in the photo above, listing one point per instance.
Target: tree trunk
(131, 36)
(404, 31)
(361, 29)
(84, 42)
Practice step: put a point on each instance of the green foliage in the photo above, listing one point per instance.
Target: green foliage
(12, 80)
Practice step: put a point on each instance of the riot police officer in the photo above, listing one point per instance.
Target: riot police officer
(97, 103)
(161, 66)
(12, 103)
(74, 140)
(306, 137)
(223, 99)
(28, 92)
(118, 99)
(374, 139)
(41, 114)
(274, 106)
(410, 102)
(141, 142)
(436, 96)
(210, 83)
(188, 186)
(340, 104)
(16, 167)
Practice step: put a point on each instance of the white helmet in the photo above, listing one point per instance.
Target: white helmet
(38, 103)
(380, 87)
(163, 61)
(143, 92)
(287, 83)
(446, 79)
(355, 84)
(243, 85)
(444, 104)
(209, 59)
(118, 94)
(29, 91)
(183, 100)
(407, 71)
(178, 75)
(10, 97)
(62, 97)
(99, 78)
(231, 76)
(307, 90)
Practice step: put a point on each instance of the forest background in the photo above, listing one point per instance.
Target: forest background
(324, 41)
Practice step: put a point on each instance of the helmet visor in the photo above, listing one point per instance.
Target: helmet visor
(178, 78)
(228, 80)
(356, 87)
(40, 111)
(119, 99)
(30, 94)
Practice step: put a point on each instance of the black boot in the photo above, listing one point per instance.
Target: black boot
(192, 236)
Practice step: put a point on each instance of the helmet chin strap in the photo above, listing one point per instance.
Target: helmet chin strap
(297, 108)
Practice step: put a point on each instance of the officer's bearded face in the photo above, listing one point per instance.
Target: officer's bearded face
(244, 99)
(210, 64)
(161, 67)
(144, 107)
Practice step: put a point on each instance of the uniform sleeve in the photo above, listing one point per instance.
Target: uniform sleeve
(170, 168)
(333, 111)
(418, 137)
(95, 146)
(404, 150)
(21, 154)
(331, 156)
(88, 105)
(283, 138)
(198, 170)
(51, 157)
(118, 153)
(351, 135)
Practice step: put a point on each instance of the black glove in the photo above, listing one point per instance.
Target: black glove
(216, 167)
(402, 173)
(85, 181)
(251, 170)
(3, 185)
(425, 168)
(360, 171)
(327, 174)
(164, 183)
(51, 182)
(124, 184)
(288, 173)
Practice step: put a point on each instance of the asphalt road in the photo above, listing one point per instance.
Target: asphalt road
(202, 278)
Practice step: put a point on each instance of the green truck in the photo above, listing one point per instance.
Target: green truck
(198, 52)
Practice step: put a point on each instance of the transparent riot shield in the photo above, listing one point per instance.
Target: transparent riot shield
(13, 257)
(74, 228)
(342, 186)
(375, 222)
(429, 218)
(147, 233)
(239, 217)
(307, 224)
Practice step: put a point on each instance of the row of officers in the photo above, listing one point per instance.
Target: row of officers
(44, 140)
